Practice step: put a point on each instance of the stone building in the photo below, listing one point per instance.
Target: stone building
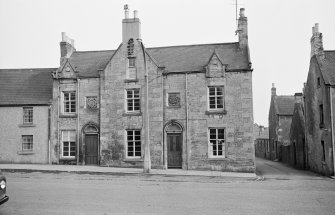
(191, 104)
(25, 96)
(262, 145)
(280, 118)
(319, 105)
(296, 153)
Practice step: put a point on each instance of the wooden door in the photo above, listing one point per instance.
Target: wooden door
(91, 149)
(174, 145)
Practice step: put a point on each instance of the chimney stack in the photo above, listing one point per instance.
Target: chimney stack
(66, 47)
(131, 27)
(298, 97)
(316, 42)
(273, 90)
(242, 29)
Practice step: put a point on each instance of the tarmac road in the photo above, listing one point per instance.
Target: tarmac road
(284, 191)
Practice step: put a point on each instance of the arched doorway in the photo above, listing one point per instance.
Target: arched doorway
(91, 143)
(174, 140)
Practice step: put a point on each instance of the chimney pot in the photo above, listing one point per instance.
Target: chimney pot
(273, 85)
(135, 14)
(316, 28)
(126, 11)
(63, 37)
(242, 12)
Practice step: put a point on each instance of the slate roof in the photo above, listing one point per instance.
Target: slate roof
(328, 67)
(284, 105)
(25, 86)
(186, 58)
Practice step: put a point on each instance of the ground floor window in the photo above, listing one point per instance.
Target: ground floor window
(68, 144)
(216, 143)
(134, 143)
(27, 142)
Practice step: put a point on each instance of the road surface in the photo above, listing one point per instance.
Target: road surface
(283, 191)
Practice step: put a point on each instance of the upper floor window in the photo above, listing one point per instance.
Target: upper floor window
(68, 144)
(27, 115)
(215, 98)
(131, 62)
(69, 102)
(318, 82)
(216, 143)
(133, 100)
(321, 116)
(27, 142)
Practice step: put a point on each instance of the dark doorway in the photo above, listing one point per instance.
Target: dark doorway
(91, 149)
(174, 145)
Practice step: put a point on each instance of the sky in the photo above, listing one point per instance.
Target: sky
(279, 33)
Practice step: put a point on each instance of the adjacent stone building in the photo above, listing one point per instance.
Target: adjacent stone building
(25, 100)
(191, 104)
(262, 145)
(319, 106)
(280, 118)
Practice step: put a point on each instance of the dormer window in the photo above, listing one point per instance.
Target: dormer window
(132, 62)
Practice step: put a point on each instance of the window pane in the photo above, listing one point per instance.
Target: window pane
(220, 134)
(219, 91)
(211, 91)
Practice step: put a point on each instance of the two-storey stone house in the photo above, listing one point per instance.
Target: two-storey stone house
(187, 106)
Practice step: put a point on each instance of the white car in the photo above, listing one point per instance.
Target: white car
(3, 197)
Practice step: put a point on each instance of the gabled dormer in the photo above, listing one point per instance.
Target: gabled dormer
(66, 71)
(215, 67)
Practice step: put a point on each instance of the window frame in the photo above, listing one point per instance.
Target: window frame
(321, 115)
(28, 112)
(210, 145)
(133, 142)
(26, 141)
(72, 102)
(216, 98)
(323, 148)
(69, 142)
(133, 99)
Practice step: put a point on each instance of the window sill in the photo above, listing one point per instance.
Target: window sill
(27, 125)
(132, 114)
(130, 80)
(173, 107)
(67, 159)
(25, 152)
(68, 116)
(211, 112)
(133, 160)
(217, 159)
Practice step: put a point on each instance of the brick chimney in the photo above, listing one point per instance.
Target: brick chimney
(273, 90)
(316, 42)
(66, 47)
(131, 27)
(242, 29)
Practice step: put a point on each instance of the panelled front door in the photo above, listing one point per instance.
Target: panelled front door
(174, 145)
(91, 149)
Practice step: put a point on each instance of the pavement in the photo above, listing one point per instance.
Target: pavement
(81, 169)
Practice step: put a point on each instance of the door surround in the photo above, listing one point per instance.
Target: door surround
(172, 127)
(90, 128)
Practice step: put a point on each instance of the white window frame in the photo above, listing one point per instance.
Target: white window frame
(217, 140)
(133, 142)
(71, 102)
(133, 98)
(216, 98)
(27, 140)
(28, 115)
(66, 137)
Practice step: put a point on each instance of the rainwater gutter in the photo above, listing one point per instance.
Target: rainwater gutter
(332, 124)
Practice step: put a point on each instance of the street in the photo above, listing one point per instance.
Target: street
(283, 191)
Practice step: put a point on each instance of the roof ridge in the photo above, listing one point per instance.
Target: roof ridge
(96, 51)
(192, 45)
(286, 95)
(16, 69)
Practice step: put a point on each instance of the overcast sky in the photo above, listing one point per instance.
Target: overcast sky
(279, 33)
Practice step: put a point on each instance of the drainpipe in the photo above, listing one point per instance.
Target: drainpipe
(186, 101)
(49, 127)
(58, 135)
(147, 161)
(163, 133)
(332, 124)
(78, 93)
